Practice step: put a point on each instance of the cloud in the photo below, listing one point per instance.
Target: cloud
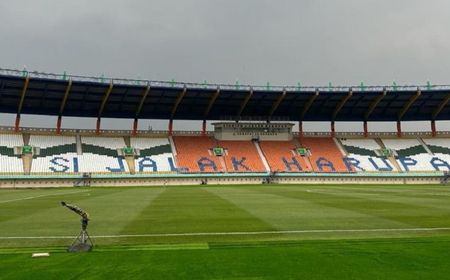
(254, 41)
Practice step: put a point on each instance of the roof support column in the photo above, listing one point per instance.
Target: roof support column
(178, 101)
(309, 104)
(139, 108)
(374, 104)
(366, 131)
(22, 98)
(102, 106)
(436, 112)
(441, 106)
(97, 127)
(341, 104)
(58, 125)
(405, 109)
(211, 103)
(62, 106)
(433, 128)
(204, 128)
(399, 129)
(277, 103)
(17, 124)
(170, 127)
(135, 126)
(244, 103)
(333, 130)
(300, 129)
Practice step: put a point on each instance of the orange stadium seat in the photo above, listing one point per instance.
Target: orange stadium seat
(193, 153)
(281, 158)
(324, 150)
(241, 156)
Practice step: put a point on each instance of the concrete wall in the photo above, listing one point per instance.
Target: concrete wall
(52, 183)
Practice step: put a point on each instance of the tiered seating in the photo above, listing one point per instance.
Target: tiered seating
(241, 156)
(362, 156)
(325, 155)
(194, 155)
(105, 142)
(440, 147)
(100, 155)
(8, 162)
(57, 153)
(281, 156)
(155, 154)
(411, 155)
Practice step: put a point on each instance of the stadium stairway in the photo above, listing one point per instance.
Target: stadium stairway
(391, 159)
(440, 148)
(325, 155)
(306, 160)
(361, 154)
(174, 150)
(424, 145)
(412, 155)
(241, 156)
(131, 164)
(27, 160)
(156, 154)
(281, 156)
(340, 146)
(262, 156)
(129, 159)
(79, 147)
(438, 145)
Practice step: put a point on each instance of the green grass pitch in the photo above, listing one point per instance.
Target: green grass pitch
(230, 232)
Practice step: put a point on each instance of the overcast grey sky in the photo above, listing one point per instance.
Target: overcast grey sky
(254, 41)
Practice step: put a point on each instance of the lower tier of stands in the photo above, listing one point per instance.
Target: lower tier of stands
(197, 154)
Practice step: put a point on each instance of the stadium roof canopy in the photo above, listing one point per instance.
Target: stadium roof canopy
(61, 95)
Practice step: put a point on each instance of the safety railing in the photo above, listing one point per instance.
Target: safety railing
(143, 175)
(214, 86)
(165, 133)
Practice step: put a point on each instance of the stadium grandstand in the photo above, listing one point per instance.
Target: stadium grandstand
(253, 136)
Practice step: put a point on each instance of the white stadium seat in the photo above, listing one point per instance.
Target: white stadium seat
(161, 160)
(8, 162)
(411, 155)
(363, 151)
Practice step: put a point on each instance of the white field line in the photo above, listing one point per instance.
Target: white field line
(38, 196)
(238, 233)
(374, 192)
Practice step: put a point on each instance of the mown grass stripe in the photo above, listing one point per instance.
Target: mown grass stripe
(404, 214)
(192, 209)
(44, 195)
(238, 233)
